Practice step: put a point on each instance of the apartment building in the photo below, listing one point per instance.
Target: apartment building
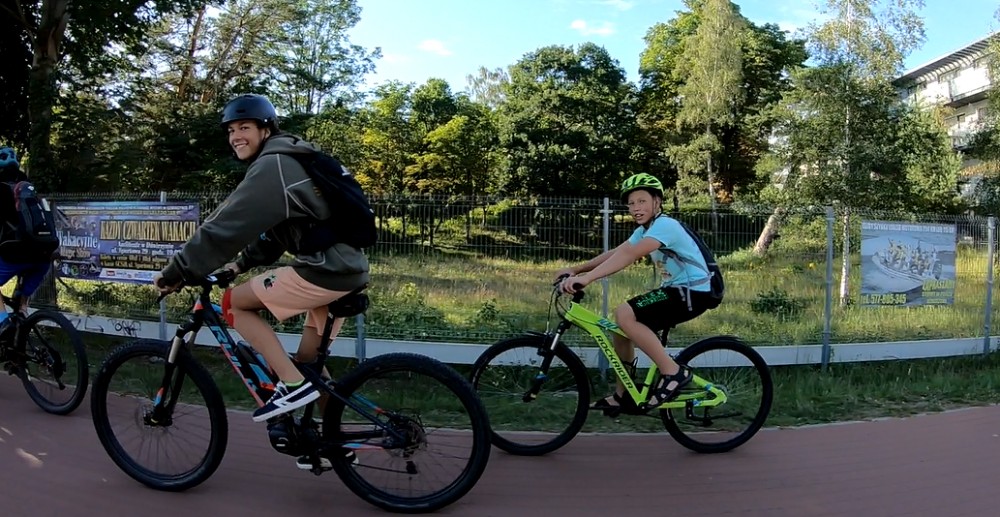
(959, 81)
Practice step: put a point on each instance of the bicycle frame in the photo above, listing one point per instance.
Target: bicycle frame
(595, 326)
(258, 380)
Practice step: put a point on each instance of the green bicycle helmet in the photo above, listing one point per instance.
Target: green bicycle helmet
(641, 181)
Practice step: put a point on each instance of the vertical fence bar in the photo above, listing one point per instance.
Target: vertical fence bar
(991, 236)
(359, 340)
(828, 306)
(602, 362)
(163, 302)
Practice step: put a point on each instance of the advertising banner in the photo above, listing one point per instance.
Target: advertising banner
(121, 241)
(907, 264)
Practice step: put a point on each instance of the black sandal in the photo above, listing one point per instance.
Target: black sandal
(609, 409)
(668, 386)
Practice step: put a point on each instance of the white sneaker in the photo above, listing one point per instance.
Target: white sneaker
(286, 399)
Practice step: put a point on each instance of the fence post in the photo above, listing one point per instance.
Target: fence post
(991, 235)
(359, 340)
(828, 306)
(602, 362)
(163, 302)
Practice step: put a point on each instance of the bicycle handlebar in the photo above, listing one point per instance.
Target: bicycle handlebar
(578, 287)
(221, 278)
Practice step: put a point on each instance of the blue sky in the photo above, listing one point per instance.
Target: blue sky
(450, 39)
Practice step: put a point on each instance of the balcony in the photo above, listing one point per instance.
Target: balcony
(956, 98)
(961, 142)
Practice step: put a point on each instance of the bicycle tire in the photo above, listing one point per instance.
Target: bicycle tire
(580, 378)
(734, 345)
(456, 384)
(193, 371)
(28, 327)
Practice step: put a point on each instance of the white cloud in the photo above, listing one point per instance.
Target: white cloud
(434, 47)
(621, 5)
(581, 26)
(395, 58)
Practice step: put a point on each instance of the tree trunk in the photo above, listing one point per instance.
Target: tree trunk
(769, 232)
(41, 98)
(187, 72)
(711, 187)
(845, 269)
(42, 92)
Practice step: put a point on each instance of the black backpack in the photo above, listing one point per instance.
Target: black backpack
(31, 235)
(717, 285)
(352, 220)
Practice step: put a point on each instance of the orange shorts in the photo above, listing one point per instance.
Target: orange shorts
(286, 294)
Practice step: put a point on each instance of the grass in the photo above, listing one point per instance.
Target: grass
(464, 298)
(803, 395)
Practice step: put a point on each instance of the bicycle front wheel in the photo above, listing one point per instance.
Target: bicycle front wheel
(431, 443)
(54, 370)
(533, 410)
(173, 449)
(739, 371)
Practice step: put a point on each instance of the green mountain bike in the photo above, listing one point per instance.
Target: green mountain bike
(537, 378)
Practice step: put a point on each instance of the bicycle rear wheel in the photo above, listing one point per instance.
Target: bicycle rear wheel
(503, 377)
(173, 450)
(742, 374)
(433, 445)
(54, 370)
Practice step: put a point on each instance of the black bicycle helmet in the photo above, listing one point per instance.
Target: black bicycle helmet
(250, 106)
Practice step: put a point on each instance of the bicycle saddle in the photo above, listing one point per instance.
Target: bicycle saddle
(351, 304)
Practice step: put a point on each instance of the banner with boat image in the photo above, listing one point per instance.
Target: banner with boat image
(907, 264)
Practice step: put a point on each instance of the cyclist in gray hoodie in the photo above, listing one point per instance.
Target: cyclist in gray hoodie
(265, 217)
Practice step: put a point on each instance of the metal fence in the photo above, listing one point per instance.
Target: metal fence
(474, 270)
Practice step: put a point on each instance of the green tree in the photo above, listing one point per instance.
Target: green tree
(388, 140)
(94, 35)
(711, 91)
(457, 156)
(568, 124)
(768, 57)
(985, 144)
(314, 63)
(14, 81)
(841, 145)
(487, 86)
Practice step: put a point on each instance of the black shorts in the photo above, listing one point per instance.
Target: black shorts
(666, 307)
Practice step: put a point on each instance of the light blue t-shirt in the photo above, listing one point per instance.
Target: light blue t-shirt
(674, 239)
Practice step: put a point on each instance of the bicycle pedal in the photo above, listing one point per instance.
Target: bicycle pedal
(305, 463)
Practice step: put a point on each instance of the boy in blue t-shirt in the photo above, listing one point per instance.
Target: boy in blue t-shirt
(682, 295)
